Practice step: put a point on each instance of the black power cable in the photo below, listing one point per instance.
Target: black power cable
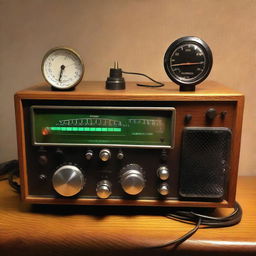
(191, 217)
(10, 170)
(181, 239)
(159, 84)
(210, 221)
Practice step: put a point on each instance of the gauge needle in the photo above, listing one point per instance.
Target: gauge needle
(62, 67)
(187, 64)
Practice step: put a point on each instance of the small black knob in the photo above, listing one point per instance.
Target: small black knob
(211, 113)
(223, 114)
(43, 177)
(120, 155)
(43, 160)
(187, 118)
(59, 155)
(164, 156)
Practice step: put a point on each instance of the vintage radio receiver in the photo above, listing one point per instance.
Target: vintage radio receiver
(139, 146)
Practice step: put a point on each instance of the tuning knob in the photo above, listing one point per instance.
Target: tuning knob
(104, 155)
(163, 173)
(103, 189)
(68, 180)
(132, 179)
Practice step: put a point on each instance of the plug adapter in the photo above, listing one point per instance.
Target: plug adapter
(115, 81)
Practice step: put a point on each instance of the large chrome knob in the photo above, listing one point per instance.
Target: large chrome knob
(104, 155)
(68, 180)
(103, 189)
(163, 172)
(132, 179)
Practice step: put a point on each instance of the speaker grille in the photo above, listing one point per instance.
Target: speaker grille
(204, 162)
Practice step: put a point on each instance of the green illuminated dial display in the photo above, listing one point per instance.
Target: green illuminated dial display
(102, 126)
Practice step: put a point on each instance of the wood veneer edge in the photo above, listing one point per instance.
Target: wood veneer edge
(21, 145)
(236, 150)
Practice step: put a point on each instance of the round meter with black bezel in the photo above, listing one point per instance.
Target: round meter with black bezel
(62, 68)
(188, 61)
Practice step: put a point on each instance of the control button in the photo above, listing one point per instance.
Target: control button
(43, 177)
(163, 173)
(164, 156)
(120, 155)
(105, 155)
(187, 118)
(43, 159)
(103, 189)
(223, 114)
(68, 180)
(163, 189)
(210, 114)
(59, 155)
(132, 179)
(89, 154)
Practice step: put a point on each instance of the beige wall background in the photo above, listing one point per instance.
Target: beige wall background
(137, 34)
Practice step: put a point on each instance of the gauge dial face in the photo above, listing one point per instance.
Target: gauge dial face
(188, 61)
(62, 68)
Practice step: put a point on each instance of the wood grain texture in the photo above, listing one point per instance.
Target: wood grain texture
(85, 230)
(211, 90)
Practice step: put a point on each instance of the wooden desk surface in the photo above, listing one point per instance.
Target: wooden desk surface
(64, 230)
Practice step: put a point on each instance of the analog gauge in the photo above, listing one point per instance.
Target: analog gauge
(188, 61)
(62, 68)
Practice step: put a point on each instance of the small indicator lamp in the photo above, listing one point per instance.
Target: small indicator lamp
(45, 131)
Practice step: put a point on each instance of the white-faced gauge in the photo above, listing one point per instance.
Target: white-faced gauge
(62, 68)
(187, 62)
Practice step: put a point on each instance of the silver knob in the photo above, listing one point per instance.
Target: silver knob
(163, 173)
(132, 179)
(68, 180)
(105, 155)
(120, 155)
(164, 189)
(103, 189)
(89, 155)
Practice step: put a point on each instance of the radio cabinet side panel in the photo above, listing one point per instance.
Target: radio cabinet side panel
(21, 145)
(235, 150)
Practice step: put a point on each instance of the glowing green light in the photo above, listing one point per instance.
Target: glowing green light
(85, 129)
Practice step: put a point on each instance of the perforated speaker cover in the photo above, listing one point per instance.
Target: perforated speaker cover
(204, 163)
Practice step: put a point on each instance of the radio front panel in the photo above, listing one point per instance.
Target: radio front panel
(127, 152)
